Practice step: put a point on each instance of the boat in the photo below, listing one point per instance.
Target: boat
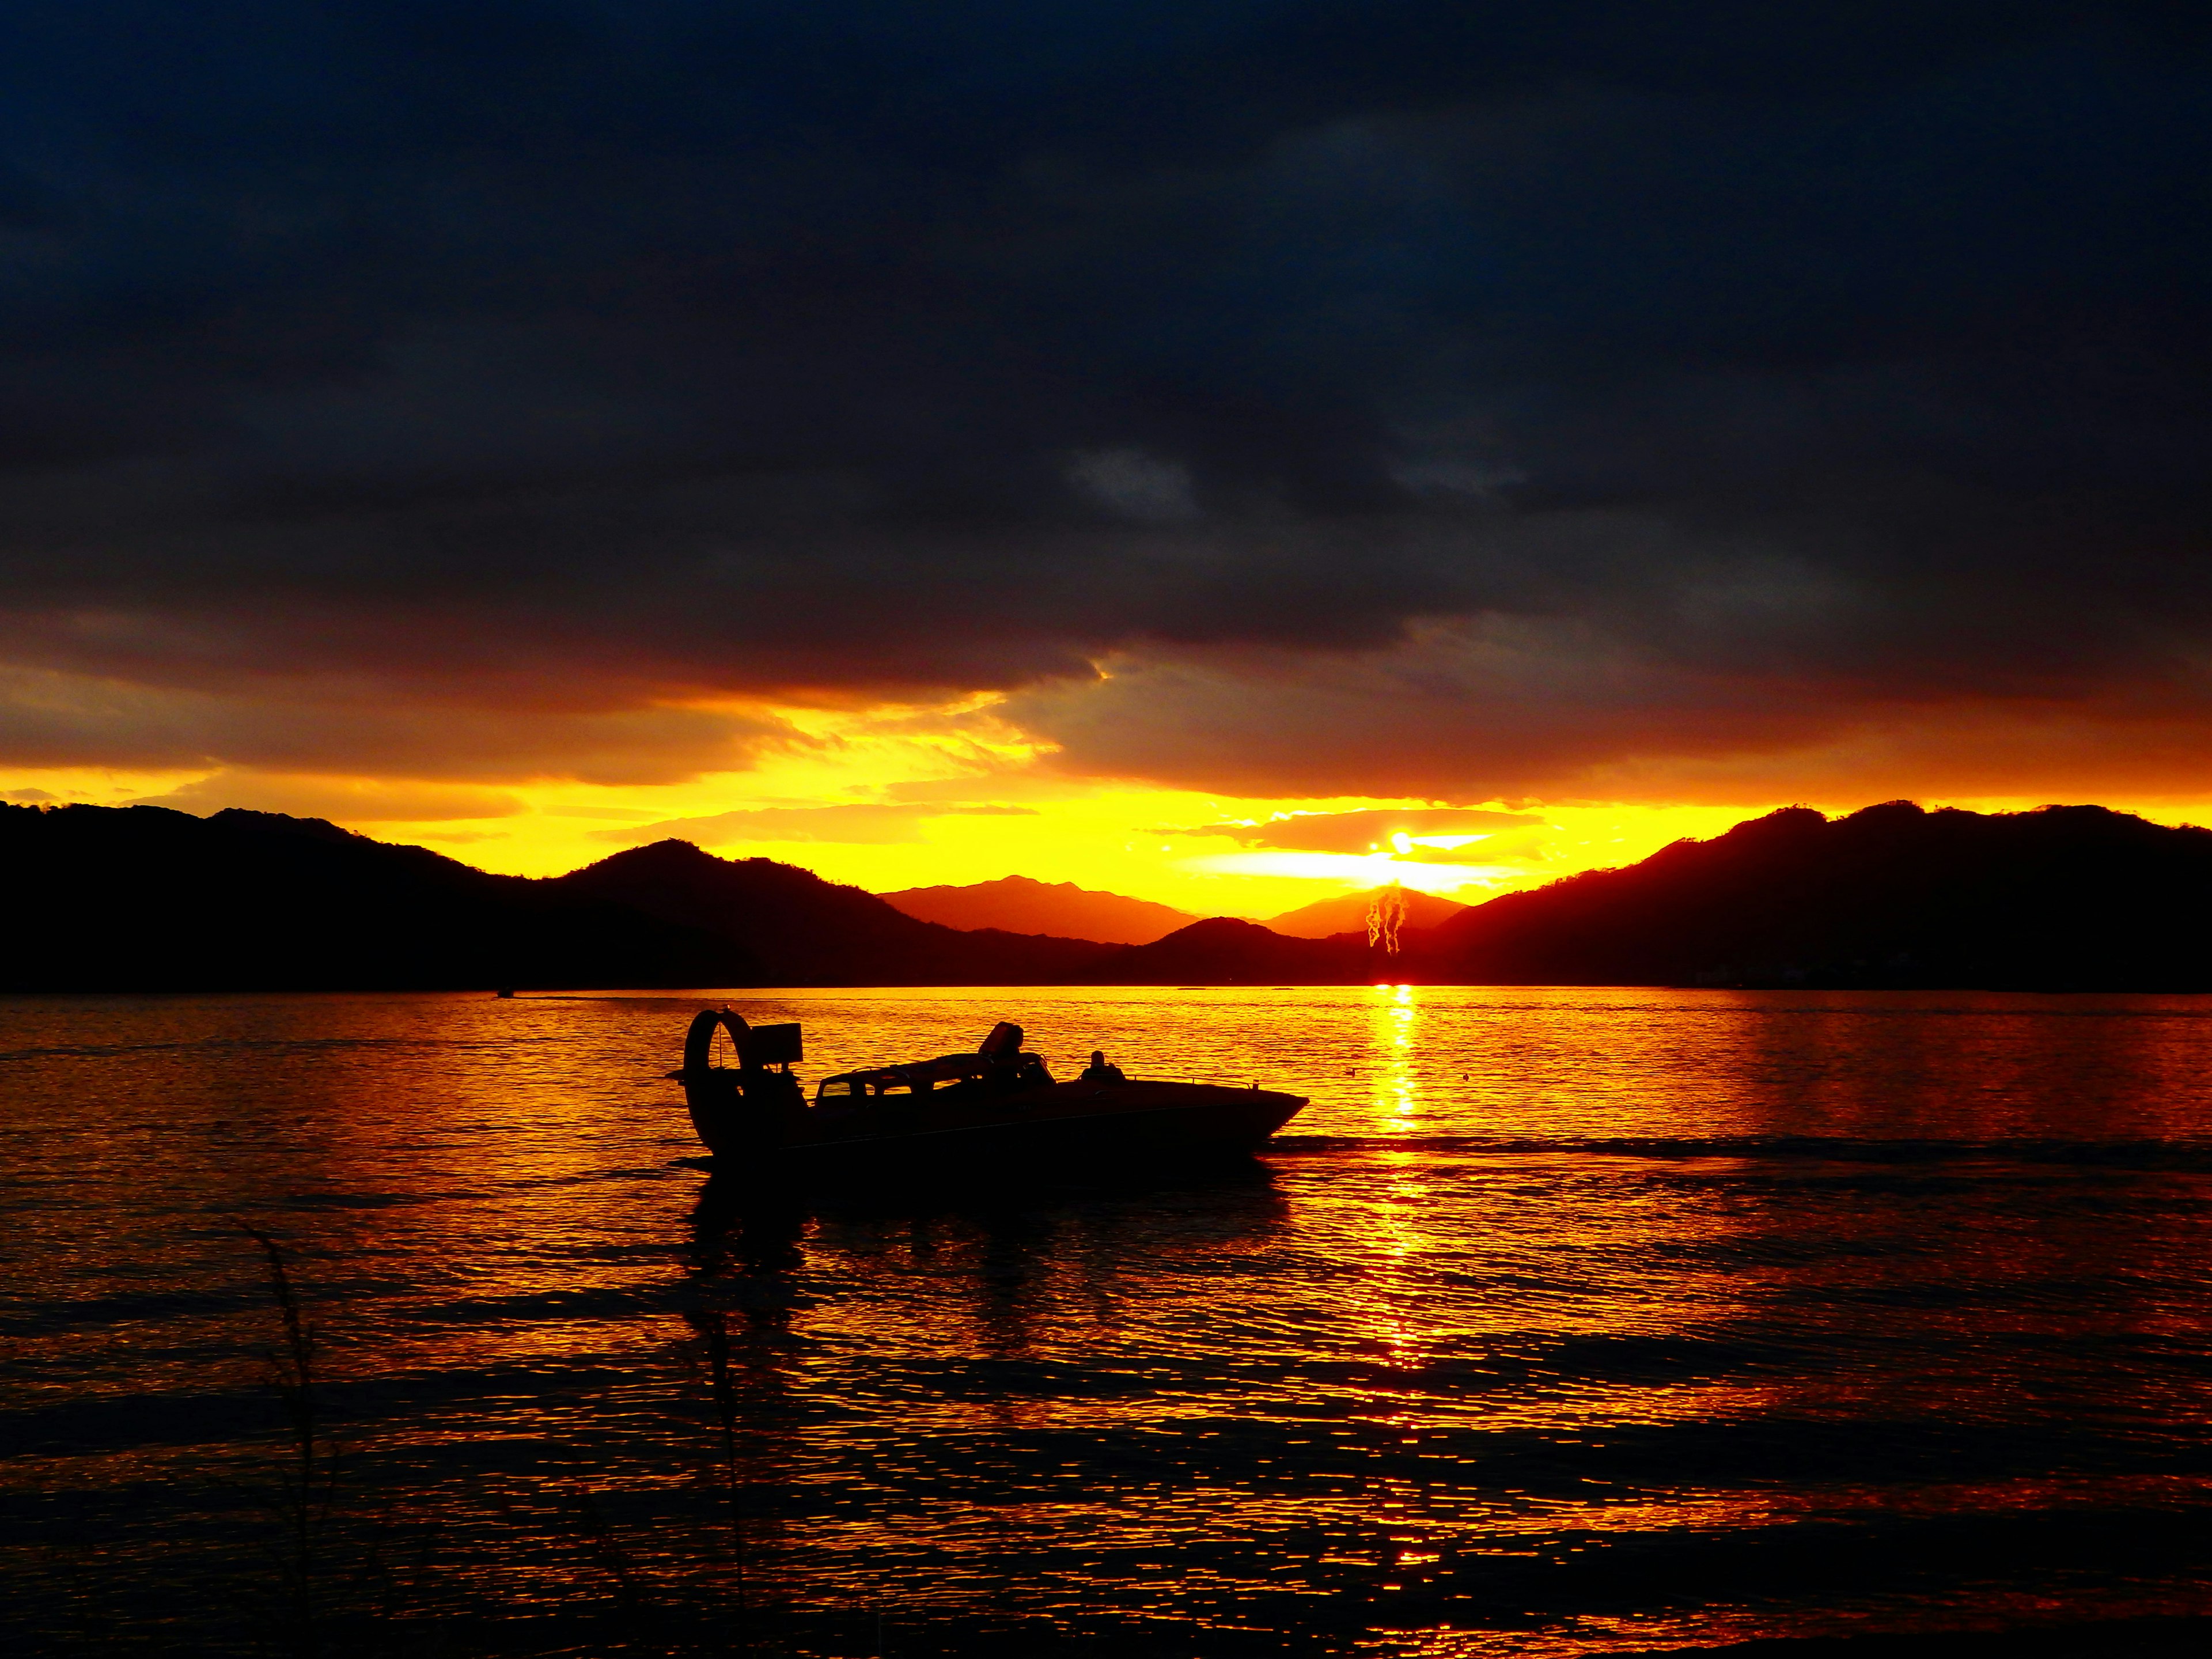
(999, 1105)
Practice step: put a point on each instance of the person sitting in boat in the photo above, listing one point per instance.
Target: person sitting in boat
(1009, 1069)
(1099, 1072)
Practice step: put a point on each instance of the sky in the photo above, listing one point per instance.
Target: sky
(1133, 444)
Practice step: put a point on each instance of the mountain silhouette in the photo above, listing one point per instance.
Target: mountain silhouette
(1019, 904)
(2061, 898)
(144, 898)
(1227, 951)
(1347, 913)
(147, 899)
(803, 930)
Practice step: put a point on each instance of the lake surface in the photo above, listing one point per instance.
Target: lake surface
(1565, 1321)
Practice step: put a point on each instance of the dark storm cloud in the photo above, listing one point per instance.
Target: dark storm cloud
(553, 361)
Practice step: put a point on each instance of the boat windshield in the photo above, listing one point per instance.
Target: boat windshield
(916, 1080)
(857, 1086)
(922, 1076)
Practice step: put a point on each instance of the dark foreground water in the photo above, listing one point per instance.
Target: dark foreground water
(1567, 1322)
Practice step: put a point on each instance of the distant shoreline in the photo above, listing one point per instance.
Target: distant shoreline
(2060, 900)
(1015, 987)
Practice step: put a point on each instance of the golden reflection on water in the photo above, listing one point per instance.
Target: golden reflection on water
(1396, 1017)
(1552, 1298)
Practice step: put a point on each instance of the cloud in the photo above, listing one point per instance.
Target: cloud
(868, 823)
(315, 727)
(349, 801)
(483, 393)
(1429, 875)
(1133, 484)
(1496, 710)
(1509, 710)
(1367, 831)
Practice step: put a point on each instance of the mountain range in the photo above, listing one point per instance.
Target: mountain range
(1019, 904)
(1347, 912)
(146, 899)
(2060, 898)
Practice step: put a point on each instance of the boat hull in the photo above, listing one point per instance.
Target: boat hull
(1071, 1126)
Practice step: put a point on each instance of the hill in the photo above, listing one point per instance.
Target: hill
(1019, 904)
(1347, 913)
(145, 898)
(1227, 951)
(806, 930)
(2062, 898)
(142, 898)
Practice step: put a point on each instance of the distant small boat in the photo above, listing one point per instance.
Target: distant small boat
(997, 1106)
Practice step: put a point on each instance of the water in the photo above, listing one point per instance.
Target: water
(1565, 1321)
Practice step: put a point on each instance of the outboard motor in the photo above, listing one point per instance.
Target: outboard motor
(752, 1106)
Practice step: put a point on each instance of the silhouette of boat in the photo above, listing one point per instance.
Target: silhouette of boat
(999, 1105)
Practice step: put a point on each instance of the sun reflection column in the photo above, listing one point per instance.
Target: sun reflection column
(1397, 1103)
(1399, 1319)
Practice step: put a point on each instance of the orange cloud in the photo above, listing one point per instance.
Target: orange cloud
(867, 824)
